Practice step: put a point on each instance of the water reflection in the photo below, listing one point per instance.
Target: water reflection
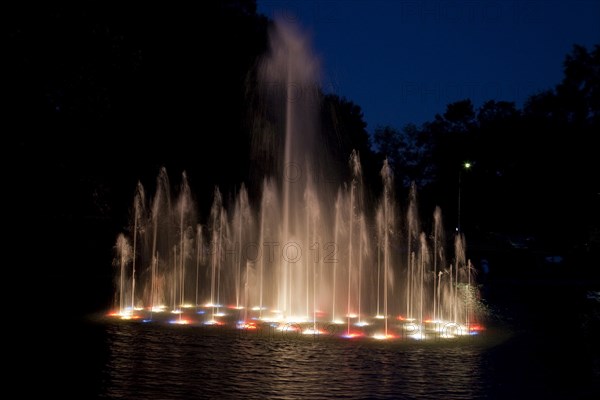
(184, 362)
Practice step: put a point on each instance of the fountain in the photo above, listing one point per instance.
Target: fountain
(308, 253)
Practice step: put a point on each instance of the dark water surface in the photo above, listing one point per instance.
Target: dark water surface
(183, 362)
(536, 348)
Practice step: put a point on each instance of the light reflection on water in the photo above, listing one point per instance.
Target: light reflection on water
(154, 361)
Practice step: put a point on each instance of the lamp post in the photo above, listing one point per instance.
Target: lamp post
(466, 165)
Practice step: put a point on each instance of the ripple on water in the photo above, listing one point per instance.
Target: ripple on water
(162, 362)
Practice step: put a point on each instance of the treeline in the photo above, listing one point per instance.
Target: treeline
(101, 94)
(533, 169)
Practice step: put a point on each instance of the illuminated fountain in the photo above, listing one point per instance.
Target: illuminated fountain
(308, 253)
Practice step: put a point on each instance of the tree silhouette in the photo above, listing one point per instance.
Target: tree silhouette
(525, 162)
(408, 152)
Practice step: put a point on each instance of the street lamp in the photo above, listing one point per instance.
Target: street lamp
(466, 165)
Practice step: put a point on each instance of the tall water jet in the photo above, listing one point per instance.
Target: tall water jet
(241, 222)
(362, 253)
(292, 70)
(380, 234)
(174, 274)
(412, 220)
(268, 235)
(460, 265)
(199, 257)
(423, 265)
(312, 220)
(123, 256)
(355, 214)
(438, 253)
(469, 300)
(387, 205)
(184, 210)
(216, 223)
(311, 243)
(161, 206)
(337, 229)
(139, 206)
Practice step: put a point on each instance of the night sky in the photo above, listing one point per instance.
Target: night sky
(403, 61)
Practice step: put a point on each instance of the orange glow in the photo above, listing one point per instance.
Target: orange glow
(352, 335)
(127, 314)
(311, 331)
(381, 336)
(247, 325)
(180, 321)
(289, 327)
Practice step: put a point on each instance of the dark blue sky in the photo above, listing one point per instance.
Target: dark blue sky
(403, 61)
